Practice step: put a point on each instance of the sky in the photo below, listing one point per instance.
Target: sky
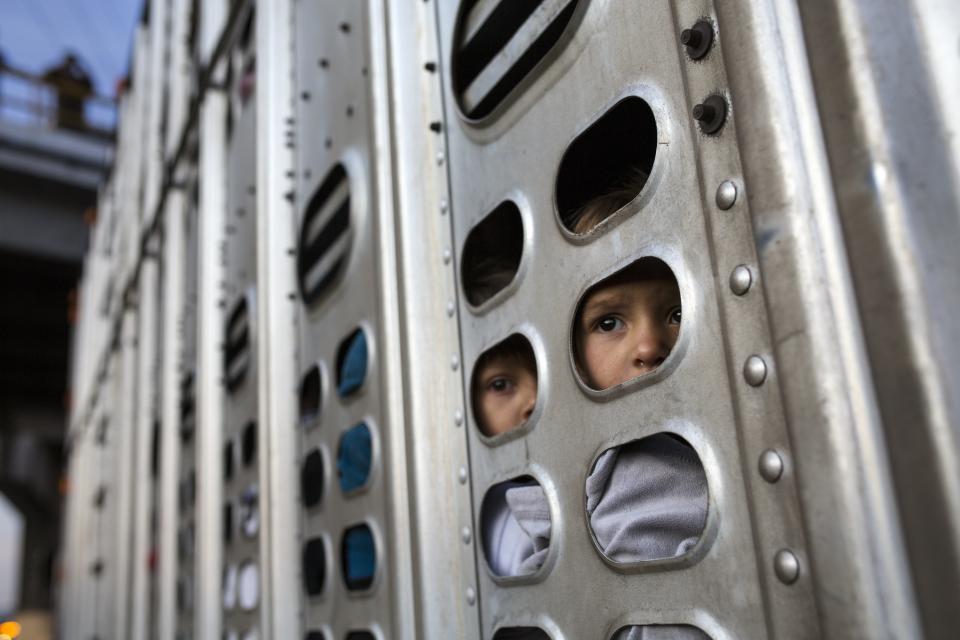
(35, 35)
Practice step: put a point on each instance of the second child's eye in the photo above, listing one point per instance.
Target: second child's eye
(607, 324)
(500, 384)
(675, 316)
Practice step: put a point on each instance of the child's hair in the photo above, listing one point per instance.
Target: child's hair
(598, 209)
(515, 348)
(483, 278)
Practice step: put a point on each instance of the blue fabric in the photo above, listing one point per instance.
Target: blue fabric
(353, 457)
(353, 369)
(361, 556)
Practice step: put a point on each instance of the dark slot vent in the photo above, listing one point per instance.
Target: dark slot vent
(314, 566)
(360, 635)
(311, 479)
(607, 165)
(228, 522)
(324, 236)
(491, 253)
(521, 633)
(188, 407)
(237, 345)
(248, 443)
(310, 389)
(228, 456)
(499, 43)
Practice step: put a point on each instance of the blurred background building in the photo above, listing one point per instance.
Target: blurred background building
(62, 64)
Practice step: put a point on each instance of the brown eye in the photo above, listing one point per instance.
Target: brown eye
(607, 324)
(675, 316)
(499, 385)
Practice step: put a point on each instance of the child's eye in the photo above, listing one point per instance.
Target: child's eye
(607, 324)
(675, 316)
(500, 384)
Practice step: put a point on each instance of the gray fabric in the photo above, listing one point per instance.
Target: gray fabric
(647, 500)
(529, 506)
(510, 547)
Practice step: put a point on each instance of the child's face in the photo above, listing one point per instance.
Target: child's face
(627, 327)
(507, 393)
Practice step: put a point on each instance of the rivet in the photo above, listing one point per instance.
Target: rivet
(465, 535)
(462, 475)
(443, 206)
(455, 363)
(740, 280)
(439, 157)
(458, 417)
(771, 465)
(726, 194)
(786, 566)
(451, 309)
(471, 596)
(446, 256)
(755, 371)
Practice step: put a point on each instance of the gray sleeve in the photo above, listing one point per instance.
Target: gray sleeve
(648, 500)
(529, 506)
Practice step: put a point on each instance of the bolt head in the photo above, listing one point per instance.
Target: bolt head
(771, 465)
(740, 280)
(451, 309)
(786, 566)
(726, 194)
(462, 475)
(447, 256)
(755, 371)
(458, 417)
(465, 535)
(455, 363)
(471, 596)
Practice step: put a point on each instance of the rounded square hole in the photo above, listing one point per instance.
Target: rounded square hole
(314, 566)
(627, 324)
(310, 390)
(647, 499)
(607, 165)
(515, 527)
(352, 357)
(492, 253)
(248, 443)
(324, 241)
(358, 557)
(311, 478)
(503, 386)
(230, 574)
(660, 632)
(354, 458)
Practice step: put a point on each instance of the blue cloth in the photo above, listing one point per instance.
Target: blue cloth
(353, 457)
(361, 557)
(353, 367)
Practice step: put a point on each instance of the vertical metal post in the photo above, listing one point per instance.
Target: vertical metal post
(276, 347)
(209, 329)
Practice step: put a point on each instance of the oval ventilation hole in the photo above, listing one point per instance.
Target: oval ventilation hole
(249, 505)
(352, 356)
(315, 635)
(627, 324)
(314, 566)
(647, 499)
(354, 458)
(521, 633)
(248, 586)
(504, 386)
(358, 557)
(515, 527)
(498, 44)
(237, 344)
(607, 165)
(324, 236)
(361, 635)
(311, 478)
(187, 409)
(492, 253)
(230, 587)
(228, 457)
(660, 631)
(248, 443)
(310, 389)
